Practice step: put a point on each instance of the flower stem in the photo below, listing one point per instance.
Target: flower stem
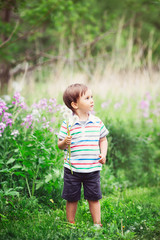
(69, 148)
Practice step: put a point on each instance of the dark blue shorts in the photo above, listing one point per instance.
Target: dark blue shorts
(73, 182)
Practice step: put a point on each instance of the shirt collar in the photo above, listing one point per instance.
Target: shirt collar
(91, 118)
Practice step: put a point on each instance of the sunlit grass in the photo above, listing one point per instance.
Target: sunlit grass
(106, 82)
(132, 214)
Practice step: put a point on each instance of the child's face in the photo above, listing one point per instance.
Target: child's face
(85, 102)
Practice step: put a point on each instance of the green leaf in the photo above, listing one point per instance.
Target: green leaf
(11, 160)
(6, 170)
(16, 167)
(19, 174)
(11, 193)
(1, 215)
(48, 178)
(39, 184)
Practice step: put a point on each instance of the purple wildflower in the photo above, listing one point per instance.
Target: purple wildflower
(46, 125)
(53, 101)
(145, 114)
(6, 118)
(3, 106)
(50, 109)
(17, 97)
(15, 133)
(51, 129)
(144, 104)
(118, 105)
(58, 107)
(35, 106)
(23, 105)
(53, 119)
(105, 104)
(43, 103)
(148, 96)
(28, 121)
(19, 101)
(43, 119)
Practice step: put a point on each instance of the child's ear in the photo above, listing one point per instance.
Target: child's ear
(74, 105)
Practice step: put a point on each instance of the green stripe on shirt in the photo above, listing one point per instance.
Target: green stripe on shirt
(82, 150)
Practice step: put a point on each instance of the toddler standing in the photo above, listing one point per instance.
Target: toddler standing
(88, 145)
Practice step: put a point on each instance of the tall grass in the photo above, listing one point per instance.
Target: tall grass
(111, 64)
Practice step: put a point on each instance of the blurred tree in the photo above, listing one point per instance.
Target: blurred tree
(32, 30)
(6, 10)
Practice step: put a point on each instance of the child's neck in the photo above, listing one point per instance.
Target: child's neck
(83, 116)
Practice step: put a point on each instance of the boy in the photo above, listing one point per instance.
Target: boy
(88, 152)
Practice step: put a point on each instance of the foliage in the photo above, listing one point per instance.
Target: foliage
(29, 156)
(134, 140)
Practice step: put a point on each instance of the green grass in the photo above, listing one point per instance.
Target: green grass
(131, 214)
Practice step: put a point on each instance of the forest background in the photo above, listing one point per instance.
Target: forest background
(114, 48)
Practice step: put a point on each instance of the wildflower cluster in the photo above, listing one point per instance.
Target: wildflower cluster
(147, 108)
(19, 101)
(42, 113)
(15, 133)
(38, 115)
(5, 117)
(150, 110)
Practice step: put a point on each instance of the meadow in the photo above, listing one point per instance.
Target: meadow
(31, 165)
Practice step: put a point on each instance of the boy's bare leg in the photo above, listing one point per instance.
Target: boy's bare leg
(95, 210)
(71, 208)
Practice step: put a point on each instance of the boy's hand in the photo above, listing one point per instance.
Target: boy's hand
(102, 159)
(68, 140)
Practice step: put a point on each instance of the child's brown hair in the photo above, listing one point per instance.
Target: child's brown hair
(72, 93)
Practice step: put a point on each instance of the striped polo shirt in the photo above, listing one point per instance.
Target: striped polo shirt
(85, 148)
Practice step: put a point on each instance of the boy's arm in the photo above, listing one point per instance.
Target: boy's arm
(63, 144)
(103, 149)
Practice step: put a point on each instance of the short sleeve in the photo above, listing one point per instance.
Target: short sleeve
(63, 131)
(103, 130)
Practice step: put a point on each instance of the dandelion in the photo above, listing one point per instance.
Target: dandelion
(70, 121)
